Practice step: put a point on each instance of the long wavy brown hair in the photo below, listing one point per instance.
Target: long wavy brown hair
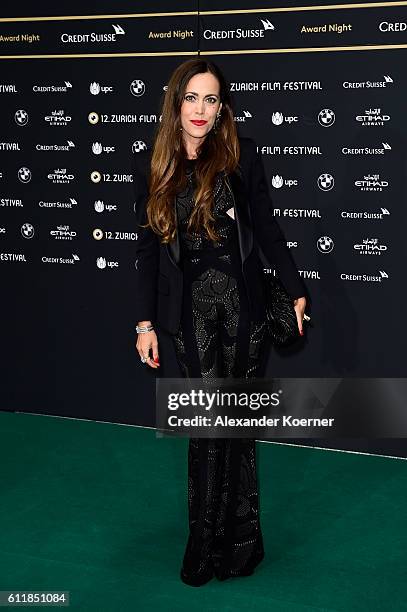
(219, 152)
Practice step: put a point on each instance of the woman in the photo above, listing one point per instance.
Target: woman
(203, 210)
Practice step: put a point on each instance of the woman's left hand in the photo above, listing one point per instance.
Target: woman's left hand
(299, 307)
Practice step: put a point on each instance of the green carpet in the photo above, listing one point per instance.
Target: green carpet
(100, 510)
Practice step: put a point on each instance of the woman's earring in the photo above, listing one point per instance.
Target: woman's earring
(216, 124)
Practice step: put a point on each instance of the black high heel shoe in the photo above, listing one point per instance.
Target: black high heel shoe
(197, 579)
(197, 567)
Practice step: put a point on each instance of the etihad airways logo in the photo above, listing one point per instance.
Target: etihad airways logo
(57, 118)
(239, 32)
(370, 246)
(372, 117)
(371, 182)
(93, 37)
(63, 232)
(60, 176)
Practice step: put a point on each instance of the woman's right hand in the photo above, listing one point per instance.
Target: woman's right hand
(146, 342)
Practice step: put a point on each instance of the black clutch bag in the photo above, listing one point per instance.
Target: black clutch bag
(281, 316)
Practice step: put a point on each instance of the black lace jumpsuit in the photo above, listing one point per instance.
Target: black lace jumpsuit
(217, 339)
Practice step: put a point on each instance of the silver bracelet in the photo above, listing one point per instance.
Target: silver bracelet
(144, 329)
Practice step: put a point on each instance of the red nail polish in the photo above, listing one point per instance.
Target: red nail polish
(301, 332)
(156, 360)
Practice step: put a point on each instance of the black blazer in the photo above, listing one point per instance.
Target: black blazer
(159, 279)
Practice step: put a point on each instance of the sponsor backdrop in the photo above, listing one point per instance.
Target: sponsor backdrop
(322, 92)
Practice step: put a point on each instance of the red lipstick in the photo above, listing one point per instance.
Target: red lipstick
(199, 122)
